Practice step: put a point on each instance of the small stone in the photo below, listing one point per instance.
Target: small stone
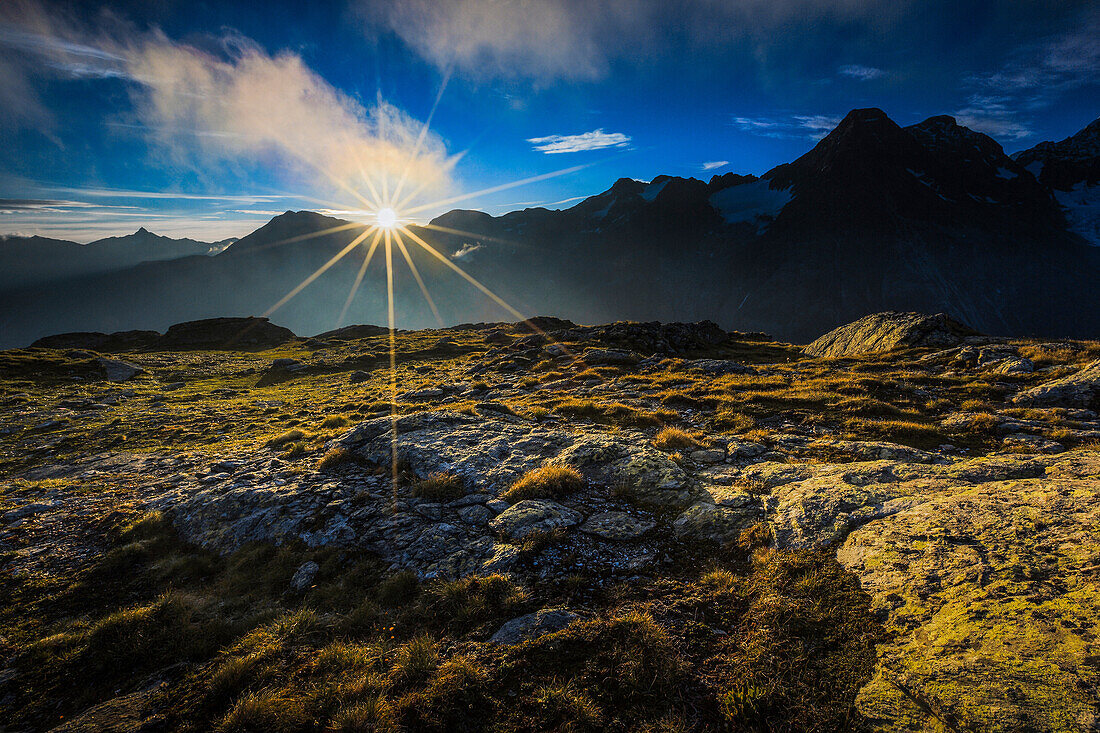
(304, 576)
(715, 523)
(533, 625)
(358, 377)
(708, 455)
(533, 515)
(743, 451)
(476, 514)
(429, 511)
(617, 526)
(118, 371)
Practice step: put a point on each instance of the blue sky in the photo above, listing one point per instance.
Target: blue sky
(204, 118)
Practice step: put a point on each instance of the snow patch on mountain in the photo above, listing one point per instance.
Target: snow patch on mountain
(1082, 207)
(653, 189)
(750, 201)
(603, 212)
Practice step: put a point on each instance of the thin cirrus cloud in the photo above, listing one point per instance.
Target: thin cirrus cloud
(594, 140)
(1033, 78)
(712, 164)
(806, 127)
(861, 73)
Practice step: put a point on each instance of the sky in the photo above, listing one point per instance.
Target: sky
(205, 118)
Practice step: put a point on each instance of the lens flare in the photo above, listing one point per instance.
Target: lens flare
(386, 218)
(392, 230)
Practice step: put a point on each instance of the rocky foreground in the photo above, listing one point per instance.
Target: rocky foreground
(631, 526)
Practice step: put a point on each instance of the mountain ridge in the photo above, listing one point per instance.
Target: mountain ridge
(36, 259)
(932, 217)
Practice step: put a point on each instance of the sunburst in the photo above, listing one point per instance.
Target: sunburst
(387, 215)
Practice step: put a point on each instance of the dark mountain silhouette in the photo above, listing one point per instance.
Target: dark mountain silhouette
(933, 217)
(32, 260)
(1071, 168)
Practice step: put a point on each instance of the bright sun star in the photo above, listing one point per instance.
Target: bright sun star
(386, 218)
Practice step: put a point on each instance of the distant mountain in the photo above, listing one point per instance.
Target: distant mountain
(933, 217)
(1071, 169)
(34, 260)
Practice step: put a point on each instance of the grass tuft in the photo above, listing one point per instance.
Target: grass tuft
(675, 439)
(547, 482)
(439, 487)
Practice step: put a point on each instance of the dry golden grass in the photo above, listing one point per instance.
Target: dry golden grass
(439, 487)
(547, 482)
(675, 439)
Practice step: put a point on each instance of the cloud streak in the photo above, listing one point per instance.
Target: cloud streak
(806, 127)
(861, 73)
(594, 140)
(712, 164)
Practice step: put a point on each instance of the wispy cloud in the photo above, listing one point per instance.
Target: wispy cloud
(811, 127)
(862, 73)
(594, 140)
(997, 117)
(9, 206)
(1032, 79)
(712, 164)
(129, 194)
(545, 40)
(213, 105)
(579, 40)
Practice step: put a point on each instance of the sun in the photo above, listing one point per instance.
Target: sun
(386, 218)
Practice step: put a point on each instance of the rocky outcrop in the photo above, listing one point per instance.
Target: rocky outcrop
(1080, 389)
(982, 570)
(95, 341)
(224, 333)
(211, 333)
(879, 332)
(651, 337)
(491, 452)
(990, 596)
(351, 333)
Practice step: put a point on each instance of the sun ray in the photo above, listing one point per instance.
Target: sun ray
(342, 184)
(391, 322)
(416, 275)
(465, 275)
(420, 138)
(366, 177)
(311, 235)
(463, 233)
(424, 184)
(318, 272)
(359, 277)
(484, 289)
(496, 189)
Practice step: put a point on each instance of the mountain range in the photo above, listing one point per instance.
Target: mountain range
(933, 217)
(32, 260)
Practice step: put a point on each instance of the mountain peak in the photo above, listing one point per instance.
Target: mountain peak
(1068, 163)
(944, 132)
(864, 114)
